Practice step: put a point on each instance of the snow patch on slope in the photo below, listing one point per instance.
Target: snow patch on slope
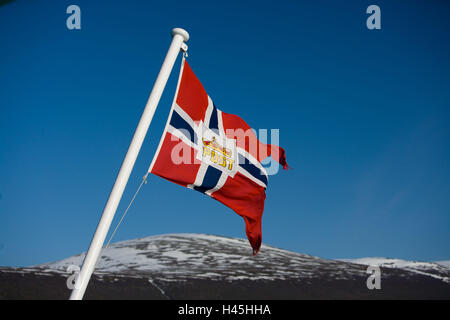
(176, 257)
(200, 256)
(430, 269)
(444, 263)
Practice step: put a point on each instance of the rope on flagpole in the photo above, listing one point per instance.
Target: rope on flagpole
(144, 180)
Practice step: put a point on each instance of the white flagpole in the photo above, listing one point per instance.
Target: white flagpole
(180, 36)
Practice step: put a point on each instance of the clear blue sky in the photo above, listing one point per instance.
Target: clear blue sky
(363, 115)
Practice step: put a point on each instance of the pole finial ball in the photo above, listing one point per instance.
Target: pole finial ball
(181, 32)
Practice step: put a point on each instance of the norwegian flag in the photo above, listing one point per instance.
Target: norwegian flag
(216, 153)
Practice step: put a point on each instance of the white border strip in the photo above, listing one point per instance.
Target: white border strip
(208, 112)
(180, 135)
(168, 118)
(184, 116)
(252, 160)
(249, 176)
(223, 178)
(200, 176)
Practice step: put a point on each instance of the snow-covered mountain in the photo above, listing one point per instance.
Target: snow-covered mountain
(431, 269)
(201, 256)
(200, 266)
(445, 263)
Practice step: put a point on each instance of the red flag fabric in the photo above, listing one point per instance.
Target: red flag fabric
(216, 153)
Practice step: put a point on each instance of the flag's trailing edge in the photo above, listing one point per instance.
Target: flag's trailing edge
(216, 153)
